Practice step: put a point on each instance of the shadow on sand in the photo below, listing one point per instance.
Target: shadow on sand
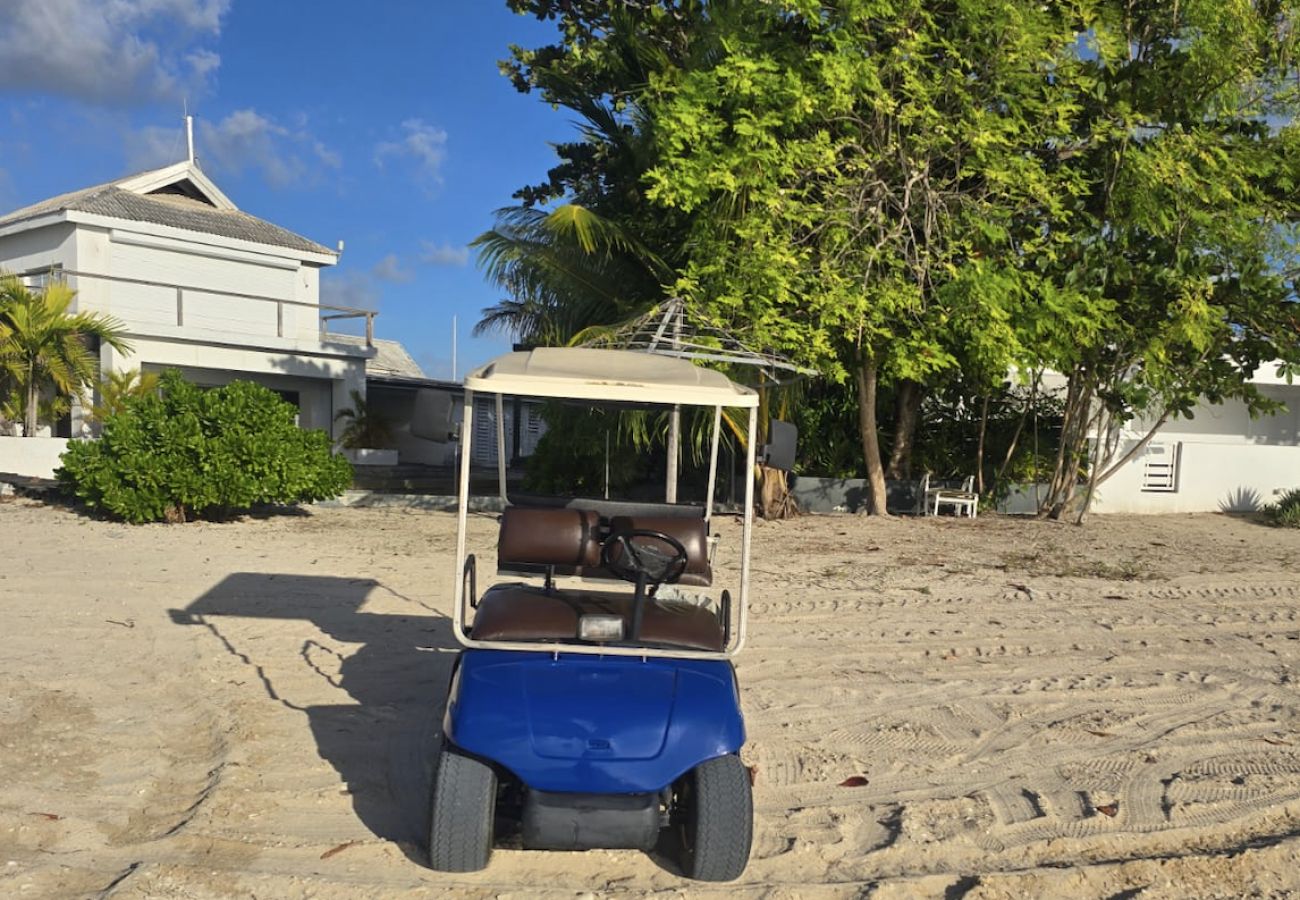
(383, 744)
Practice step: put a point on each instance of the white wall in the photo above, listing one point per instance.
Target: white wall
(31, 251)
(1227, 462)
(35, 457)
(201, 270)
(322, 382)
(1230, 422)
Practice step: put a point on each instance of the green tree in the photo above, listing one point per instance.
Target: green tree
(868, 183)
(45, 349)
(587, 247)
(566, 271)
(1186, 233)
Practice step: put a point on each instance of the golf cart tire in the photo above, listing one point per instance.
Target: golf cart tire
(464, 805)
(719, 820)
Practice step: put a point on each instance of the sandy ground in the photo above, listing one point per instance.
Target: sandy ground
(247, 710)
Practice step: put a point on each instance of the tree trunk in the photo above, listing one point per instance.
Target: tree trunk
(1075, 422)
(29, 414)
(908, 402)
(774, 498)
(867, 376)
(979, 450)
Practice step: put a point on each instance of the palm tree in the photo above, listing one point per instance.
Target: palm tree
(566, 270)
(45, 346)
(117, 388)
(366, 427)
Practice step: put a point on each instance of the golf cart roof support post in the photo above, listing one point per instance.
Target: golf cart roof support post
(674, 453)
(501, 445)
(462, 516)
(713, 464)
(748, 529)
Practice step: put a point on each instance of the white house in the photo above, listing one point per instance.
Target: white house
(198, 285)
(1221, 460)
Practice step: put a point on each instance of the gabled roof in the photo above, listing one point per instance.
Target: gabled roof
(390, 359)
(178, 196)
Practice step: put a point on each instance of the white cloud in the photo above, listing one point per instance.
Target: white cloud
(242, 141)
(352, 288)
(443, 254)
(390, 269)
(152, 147)
(110, 51)
(424, 144)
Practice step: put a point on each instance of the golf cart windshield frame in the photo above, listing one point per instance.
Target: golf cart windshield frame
(603, 376)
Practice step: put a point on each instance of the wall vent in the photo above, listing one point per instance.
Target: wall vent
(1160, 467)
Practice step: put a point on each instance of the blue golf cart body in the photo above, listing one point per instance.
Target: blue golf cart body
(574, 724)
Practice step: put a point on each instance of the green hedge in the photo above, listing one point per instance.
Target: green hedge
(185, 452)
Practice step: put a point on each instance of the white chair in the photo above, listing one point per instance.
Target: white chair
(963, 500)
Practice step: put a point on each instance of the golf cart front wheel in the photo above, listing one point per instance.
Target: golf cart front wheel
(717, 818)
(464, 804)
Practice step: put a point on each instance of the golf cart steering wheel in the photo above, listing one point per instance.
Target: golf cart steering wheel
(660, 562)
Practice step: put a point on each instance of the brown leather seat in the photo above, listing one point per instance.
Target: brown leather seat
(533, 539)
(564, 538)
(520, 612)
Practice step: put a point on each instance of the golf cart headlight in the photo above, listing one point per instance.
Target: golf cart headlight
(600, 628)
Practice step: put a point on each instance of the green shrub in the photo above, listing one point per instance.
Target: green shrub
(1286, 511)
(184, 452)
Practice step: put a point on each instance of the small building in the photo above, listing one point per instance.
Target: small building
(197, 284)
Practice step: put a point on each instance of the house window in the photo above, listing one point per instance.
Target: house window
(1160, 467)
(40, 279)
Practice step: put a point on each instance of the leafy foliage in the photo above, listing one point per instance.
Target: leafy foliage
(45, 355)
(1184, 240)
(867, 190)
(186, 452)
(902, 192)
(120, 386)
(1286, 511)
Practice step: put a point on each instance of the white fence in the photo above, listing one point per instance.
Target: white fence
(35, 457)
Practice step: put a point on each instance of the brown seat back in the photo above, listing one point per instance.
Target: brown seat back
(564, 538)
(692, 534)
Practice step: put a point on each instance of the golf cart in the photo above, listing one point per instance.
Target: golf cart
(595, 703)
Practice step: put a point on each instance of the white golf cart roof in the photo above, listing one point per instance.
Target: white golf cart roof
(586, 373)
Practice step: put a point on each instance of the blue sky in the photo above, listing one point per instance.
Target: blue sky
(384, 124)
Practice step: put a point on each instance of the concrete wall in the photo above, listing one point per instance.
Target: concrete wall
(36, 457)
(35, 251)
(1211, 477)
(200, 270)
(1224, 461)
(322, 382)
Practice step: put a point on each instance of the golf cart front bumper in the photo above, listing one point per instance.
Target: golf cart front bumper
(577, 724)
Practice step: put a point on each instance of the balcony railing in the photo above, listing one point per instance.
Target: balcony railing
(326, 312)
